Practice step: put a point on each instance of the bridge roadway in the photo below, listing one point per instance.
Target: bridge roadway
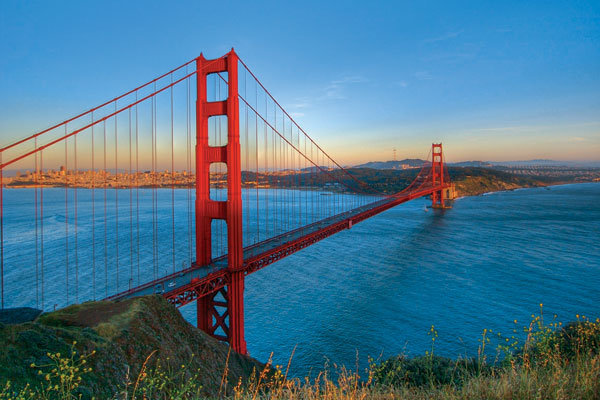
(187, 285)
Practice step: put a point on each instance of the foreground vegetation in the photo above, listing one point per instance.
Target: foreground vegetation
(551, 362)
(97, 348)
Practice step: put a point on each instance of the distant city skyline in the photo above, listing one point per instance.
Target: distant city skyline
(492, 81)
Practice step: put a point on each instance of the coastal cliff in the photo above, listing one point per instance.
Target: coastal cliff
(490, 181)
(120, 340)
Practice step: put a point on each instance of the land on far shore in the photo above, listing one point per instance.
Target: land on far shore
(376, 177)
(473, 181)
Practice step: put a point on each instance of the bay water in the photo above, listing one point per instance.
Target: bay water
(375, 290)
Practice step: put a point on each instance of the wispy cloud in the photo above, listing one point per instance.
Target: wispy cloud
(295, 109)
(301, 103)
(446, 36)
(402, 84)
(335, 89)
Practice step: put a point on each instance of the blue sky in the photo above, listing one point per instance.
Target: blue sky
(506, 80)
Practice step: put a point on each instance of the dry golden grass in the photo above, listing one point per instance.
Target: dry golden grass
(553, 362)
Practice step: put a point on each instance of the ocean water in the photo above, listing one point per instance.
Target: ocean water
(63, 245)
(377, 289)
(374, 290)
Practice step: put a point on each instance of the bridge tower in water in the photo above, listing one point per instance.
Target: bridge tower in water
(213, 313)
(437, 176)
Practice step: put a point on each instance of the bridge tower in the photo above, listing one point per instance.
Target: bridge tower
(227, 314)
(437, 175)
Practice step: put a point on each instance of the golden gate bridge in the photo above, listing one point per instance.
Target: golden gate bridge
(182, 186)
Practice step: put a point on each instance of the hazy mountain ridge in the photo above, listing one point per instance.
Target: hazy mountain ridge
(415, 163)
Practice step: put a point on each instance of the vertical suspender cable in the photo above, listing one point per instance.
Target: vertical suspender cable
(189, 168)
(286, 155)
(221, 245)
(286, 192)
(137, 190)
(247, 169)
(244, 164)
(105, 173)
(2, 232)
(306, 189)
(172, 181)
(153, 134)
(323, 188)
(277, 153)
(156, 185)
(257, 203)
(66, 170)
(292, 178)
(93, 215)
(246, 145)
(274, 182)
(256, 185)
(290, 164)
(76, 176)
(313, 184)
(130, 180)
(42, 225)
(297, 205)
(282, 179)
(35, 179)
(268, 183)
(116, 199)
(296, 172)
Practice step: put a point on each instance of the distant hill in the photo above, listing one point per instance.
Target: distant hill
(546, 163)
(468, 180)
(410, 162)
(415, 163)
(314, 169)
(481, 164)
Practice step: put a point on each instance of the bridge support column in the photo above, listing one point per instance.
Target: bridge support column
(209, 319)
(236, 312)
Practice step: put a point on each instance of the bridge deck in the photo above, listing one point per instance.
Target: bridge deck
(185, 286)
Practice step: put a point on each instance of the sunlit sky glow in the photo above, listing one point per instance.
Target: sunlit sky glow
(493, 80)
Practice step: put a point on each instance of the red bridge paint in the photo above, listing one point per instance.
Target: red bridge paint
(214, 280)
(230, 211)
(229, 282)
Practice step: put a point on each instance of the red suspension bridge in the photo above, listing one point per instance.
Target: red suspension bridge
(181, 186)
